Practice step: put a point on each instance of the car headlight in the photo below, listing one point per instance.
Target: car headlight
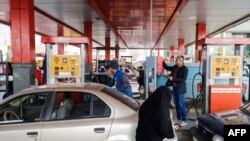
(217, 138)
(196, 123)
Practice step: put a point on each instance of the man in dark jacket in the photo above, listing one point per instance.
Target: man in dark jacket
(178, 81)
(120, 80)
(154, 117)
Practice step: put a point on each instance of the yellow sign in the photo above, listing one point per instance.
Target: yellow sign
(39, 63)
(9, 54)
(65, 65)
(225, 67)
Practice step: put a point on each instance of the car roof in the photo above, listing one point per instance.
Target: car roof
(62, 86)
(100, 73)
(86, 85)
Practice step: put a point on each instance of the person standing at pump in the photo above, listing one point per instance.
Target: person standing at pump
(140, 78)
(178, 80)
(120, 80)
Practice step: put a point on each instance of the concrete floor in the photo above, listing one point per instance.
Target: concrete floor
(183, 133)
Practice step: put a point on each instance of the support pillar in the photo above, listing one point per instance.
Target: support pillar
(88, 33)
(107, 45)
(117, 50)
(200, 34)
(171, 51)
(117, 54)
(181, 44)
(23, 43)
(60, 47)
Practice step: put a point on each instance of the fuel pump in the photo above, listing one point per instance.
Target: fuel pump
(71, 67)
(153, 68)
(222, 75)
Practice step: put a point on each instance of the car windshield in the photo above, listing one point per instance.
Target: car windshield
(246, 108)
(130, 102)
(103, 78)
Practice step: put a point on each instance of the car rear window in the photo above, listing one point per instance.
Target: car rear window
(130, 102)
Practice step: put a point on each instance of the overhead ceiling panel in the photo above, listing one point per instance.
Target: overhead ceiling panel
(75, 13)
(214, 13)
(132, 18)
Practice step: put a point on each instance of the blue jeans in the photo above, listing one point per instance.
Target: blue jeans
(180, 105)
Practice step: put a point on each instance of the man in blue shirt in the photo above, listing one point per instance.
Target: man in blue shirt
(120, 80)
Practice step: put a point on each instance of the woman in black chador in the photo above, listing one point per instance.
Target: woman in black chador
(154, 117)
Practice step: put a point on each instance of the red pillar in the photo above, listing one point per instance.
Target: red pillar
(107, 45)
(181, 46)
(22, 26)
(171, 51)
(22, 31)
(158, 50)
(117, 54)
(88, 33)
(117, 50)
(200, 34)
(60, 47)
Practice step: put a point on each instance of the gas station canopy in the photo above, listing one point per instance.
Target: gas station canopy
(129, 20)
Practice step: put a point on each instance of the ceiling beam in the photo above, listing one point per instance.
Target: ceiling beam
(56, 20)
(98, 43)
(225, 41)
(230, 25)
(61, 23)
(97, 9)
(4, 22)
(115, 48)
(226, 27)
(176, 13)
(8, 24)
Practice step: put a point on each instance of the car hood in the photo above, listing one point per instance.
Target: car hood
(211, 124)
(215, 122)
(232, 117)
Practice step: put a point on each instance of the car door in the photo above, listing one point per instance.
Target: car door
(21, 117)
(78, 116)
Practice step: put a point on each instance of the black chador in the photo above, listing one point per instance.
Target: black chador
(154, 117)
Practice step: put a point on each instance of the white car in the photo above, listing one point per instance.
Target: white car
(91, 112)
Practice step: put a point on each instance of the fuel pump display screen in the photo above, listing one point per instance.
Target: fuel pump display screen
(225, 67)
(65, 65)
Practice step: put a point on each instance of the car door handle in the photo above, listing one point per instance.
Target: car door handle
(99, 130)
(32, 134)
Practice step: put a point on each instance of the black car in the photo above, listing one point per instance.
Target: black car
(210, 127)
(105, 78)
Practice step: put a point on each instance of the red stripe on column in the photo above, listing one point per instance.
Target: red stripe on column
(88, 33)
(107, 45)
(15, 29)
(117, 54)
(60, 47)
(171, 51)
(200, 34)
(22, 30)
(181, 46)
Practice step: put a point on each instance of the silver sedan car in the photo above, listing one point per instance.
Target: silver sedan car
(91, 112)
